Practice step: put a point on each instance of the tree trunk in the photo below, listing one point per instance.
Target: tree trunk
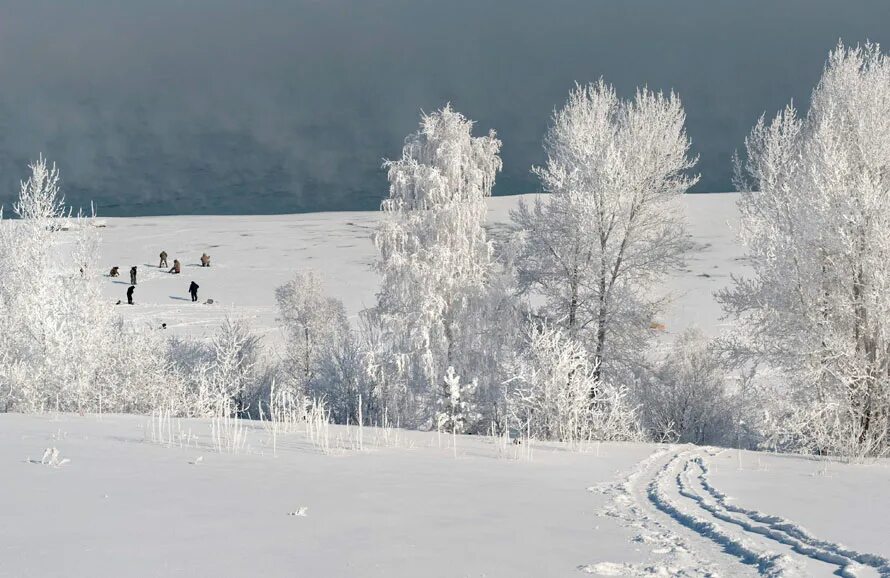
(600, 338)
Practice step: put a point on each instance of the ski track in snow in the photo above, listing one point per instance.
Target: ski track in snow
(696, 530)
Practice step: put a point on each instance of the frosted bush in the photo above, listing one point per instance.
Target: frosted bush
(555, 395)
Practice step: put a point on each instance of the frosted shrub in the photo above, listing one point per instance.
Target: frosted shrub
(684, 397)
(235, 354)
(455, 404)
(613, 415)
(218, 375)
(143, 378)
(555, 395)
(829, 429)
(342, 379)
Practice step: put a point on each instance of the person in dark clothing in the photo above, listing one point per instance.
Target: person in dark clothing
(133, 275)
(176, 269)
(130, 294)
(193, 289)
(163, 260)
(114, 272)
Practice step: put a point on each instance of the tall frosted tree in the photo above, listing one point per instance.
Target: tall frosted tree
(313, 324)
(612, 224)
(815, 210)
(61, 346)
(435, 257)
(47, 311)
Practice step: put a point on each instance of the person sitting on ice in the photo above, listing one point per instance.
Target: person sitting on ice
(115, 272)
(193, 290)
(205, 260)
(176, 269)
(163, 263)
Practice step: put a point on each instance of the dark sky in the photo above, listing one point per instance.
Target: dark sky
(267, 106)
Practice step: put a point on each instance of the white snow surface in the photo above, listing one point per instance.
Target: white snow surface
(252, 255)
(124, 506)
(123, 503)
(105, 496)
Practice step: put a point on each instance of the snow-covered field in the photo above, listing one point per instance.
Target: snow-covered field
(407, 504)
(122, 499)
(251, 256)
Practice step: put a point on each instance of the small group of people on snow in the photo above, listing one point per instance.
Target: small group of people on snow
(176, 269)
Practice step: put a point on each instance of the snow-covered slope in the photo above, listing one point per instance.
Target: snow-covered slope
(130, 502)
(251, 256)
(126, 503)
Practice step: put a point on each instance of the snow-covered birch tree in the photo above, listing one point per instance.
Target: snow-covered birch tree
(313, 324)
(612, 224)
(815, 210)
(324, 358)
(435, 257)
(48, 308)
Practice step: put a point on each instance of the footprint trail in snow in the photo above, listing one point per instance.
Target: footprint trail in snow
(693, 528)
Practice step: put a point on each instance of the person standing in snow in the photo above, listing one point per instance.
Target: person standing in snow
(193, 290)
(163, 263)
(133, 275)
(205, 260)
(130, 294)
(176, 269)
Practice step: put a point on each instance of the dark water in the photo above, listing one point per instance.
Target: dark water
(218, 106)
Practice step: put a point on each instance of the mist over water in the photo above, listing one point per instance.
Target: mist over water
(224, 106)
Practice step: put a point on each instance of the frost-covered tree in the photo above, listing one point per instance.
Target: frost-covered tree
(456, 408)
(235, 354)
(63, 347)
(324, 358)
(435, 261)
(51, 319)
(342, 380)
(548, 396)
(313, 324)
(612, 224)
(815, 216)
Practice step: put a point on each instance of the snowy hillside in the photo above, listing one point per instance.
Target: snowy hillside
(116, 495)
(251, 256)
(130, 502)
